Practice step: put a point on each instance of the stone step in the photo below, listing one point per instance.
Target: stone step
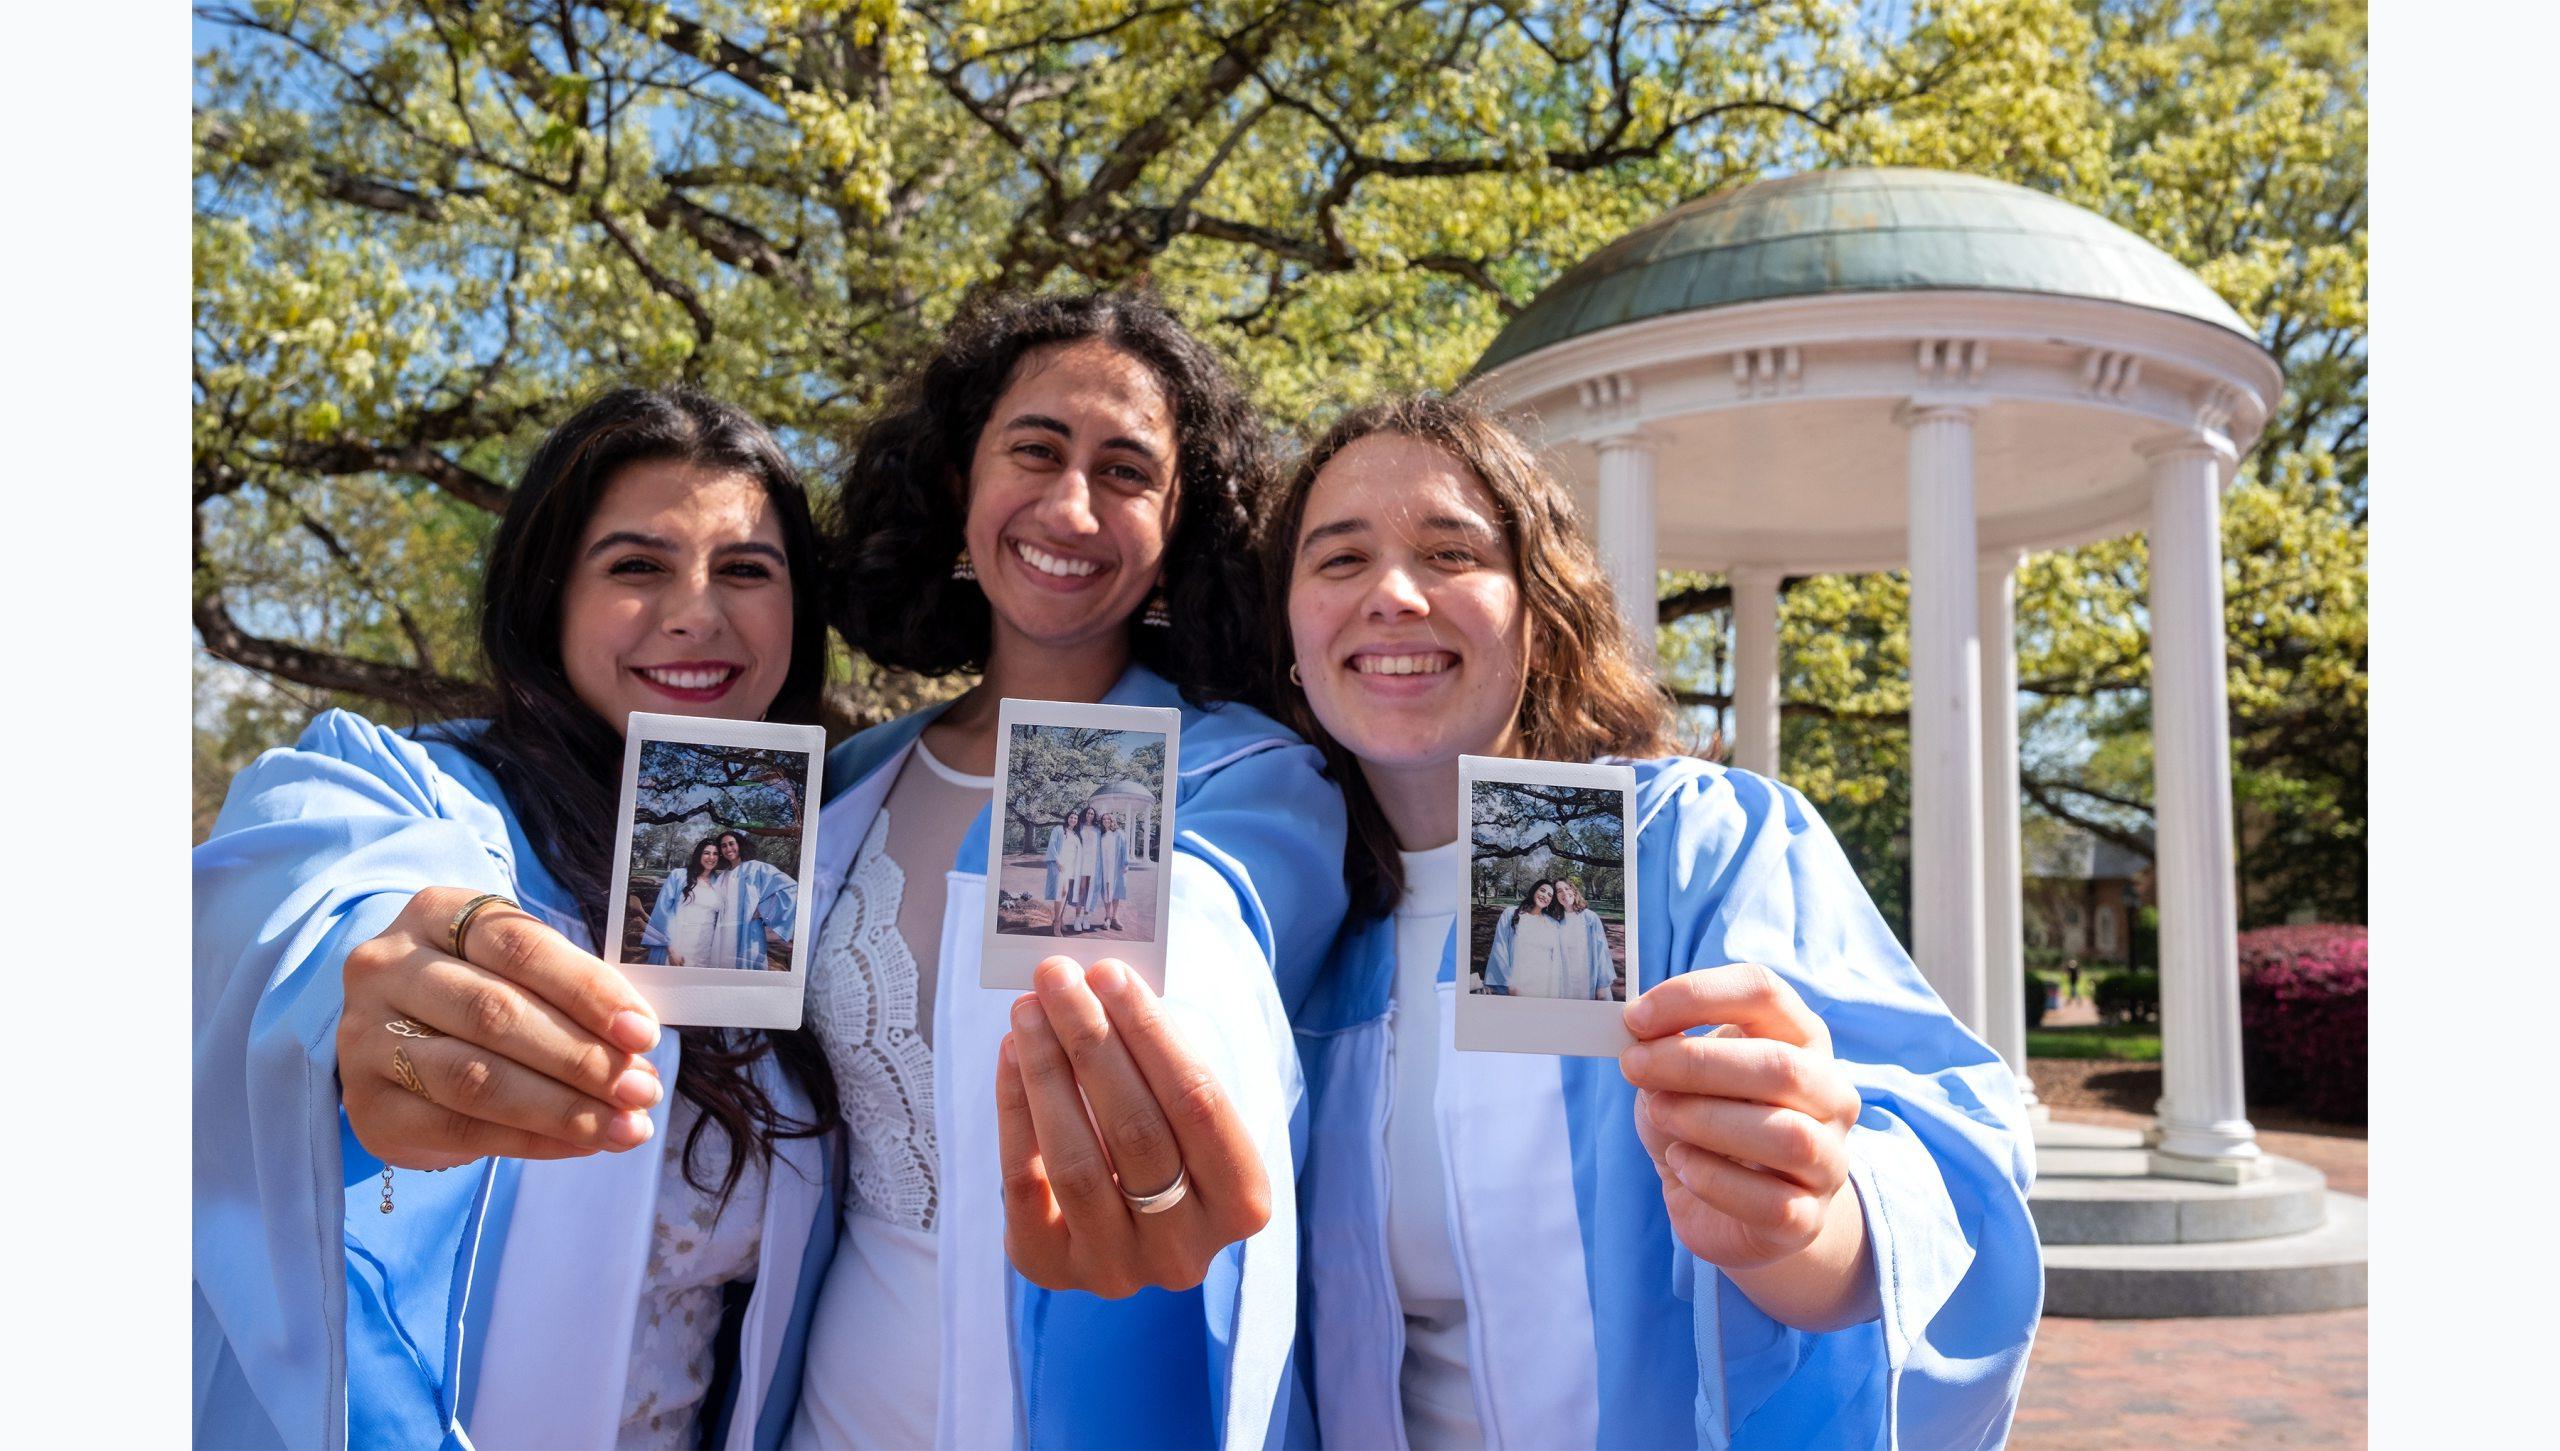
(2099, 1196)
(2320, 1269)
(2054, 1134)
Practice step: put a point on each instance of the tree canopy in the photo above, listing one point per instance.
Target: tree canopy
(426, 229)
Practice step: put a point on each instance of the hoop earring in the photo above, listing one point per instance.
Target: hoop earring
(961, 568)
(1293, 676)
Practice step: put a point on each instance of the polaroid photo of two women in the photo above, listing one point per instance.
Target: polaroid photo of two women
(712, 868)
(1547, 933)
(1079, 846)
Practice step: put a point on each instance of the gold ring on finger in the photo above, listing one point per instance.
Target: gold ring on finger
(407, 1073)
(412, 1028)
(460, 931)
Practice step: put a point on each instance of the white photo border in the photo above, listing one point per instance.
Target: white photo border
(1006, 959)
(1488, 1024)
(717, 997)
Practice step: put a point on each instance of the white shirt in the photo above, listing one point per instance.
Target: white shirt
(1439, 1402)
(874, 1373)
(694, 935)
(1537, 956)
(1576, 942)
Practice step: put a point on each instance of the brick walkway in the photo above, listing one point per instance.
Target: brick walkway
(2224, 1381)
(2230, 1381)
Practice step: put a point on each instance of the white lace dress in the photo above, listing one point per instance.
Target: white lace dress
(696, 1248)
(874, 1362)
(862, 1003)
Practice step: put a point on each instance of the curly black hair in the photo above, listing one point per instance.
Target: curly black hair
(888, 542)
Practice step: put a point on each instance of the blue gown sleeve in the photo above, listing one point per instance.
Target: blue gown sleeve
(316, 1325)
(777, 893)
(1497, 959)
(1941, 1162)
(662, 917)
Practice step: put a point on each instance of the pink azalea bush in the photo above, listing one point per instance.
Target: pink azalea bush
(2302, 1018)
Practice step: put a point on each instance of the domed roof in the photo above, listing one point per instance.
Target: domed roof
(1878, 229)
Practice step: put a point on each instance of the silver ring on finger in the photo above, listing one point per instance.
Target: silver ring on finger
(1163, 1199)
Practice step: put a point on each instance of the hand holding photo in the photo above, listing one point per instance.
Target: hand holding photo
(1549, 926)
(1082, 829)
(711, 867)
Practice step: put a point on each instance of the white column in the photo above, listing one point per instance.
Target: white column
(1946, 711)
(2204, 1129)
(2004, 954)
(1755, 668)
(1626, 537)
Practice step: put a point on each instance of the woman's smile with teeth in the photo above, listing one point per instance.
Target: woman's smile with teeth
(1059, 565)
(1429, 663)
(689, 677)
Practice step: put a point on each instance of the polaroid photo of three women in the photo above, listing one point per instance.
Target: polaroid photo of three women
(1080, 839)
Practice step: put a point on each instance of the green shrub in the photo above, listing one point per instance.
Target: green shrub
(2129, 997)
(2039, 988)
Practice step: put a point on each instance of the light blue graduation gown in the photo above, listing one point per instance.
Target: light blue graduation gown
(765, 896)
(1056, 858)
(499, 1295)
(662, 918)
(1596, 953)
(1497, 958)
(1256, 893)
(1589, 1323)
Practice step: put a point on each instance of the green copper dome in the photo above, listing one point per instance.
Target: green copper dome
(1864, 230)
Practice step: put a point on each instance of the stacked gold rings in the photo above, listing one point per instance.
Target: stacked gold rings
(460, 931)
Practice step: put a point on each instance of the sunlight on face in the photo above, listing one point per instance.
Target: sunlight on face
(1404, 607)
(680, 598)
(1071, 497)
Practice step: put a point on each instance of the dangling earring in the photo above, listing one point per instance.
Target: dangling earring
(1293, 676)
(961, 568)
(1157, 615)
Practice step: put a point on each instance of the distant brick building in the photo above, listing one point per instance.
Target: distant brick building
(2081, 896)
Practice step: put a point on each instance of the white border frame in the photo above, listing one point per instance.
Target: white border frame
(718, 997)
(1007, 959)
(1488, 1024)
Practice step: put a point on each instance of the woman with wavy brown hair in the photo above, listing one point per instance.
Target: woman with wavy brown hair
(1807, 1227)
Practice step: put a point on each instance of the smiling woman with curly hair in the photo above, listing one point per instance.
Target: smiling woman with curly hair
(1057, 500)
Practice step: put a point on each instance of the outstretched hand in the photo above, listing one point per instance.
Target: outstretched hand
(1749, 1127)
(1097, 1100)
(528, 1047)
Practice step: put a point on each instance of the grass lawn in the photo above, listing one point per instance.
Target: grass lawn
(2138, 1045)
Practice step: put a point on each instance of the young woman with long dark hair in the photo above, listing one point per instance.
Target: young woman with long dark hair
(692, 933)
(1057, 502)
(1807, 1228)
(394, 974)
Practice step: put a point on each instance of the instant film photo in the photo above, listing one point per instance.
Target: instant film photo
(1081, 839)
(1547, 945)
(712, 867)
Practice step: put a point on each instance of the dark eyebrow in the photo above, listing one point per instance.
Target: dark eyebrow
(1456, 525)
(651, 541)
(1046, 424)
(1336, 529)
(628, 536)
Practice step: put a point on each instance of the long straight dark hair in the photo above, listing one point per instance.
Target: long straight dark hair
(560, 763)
